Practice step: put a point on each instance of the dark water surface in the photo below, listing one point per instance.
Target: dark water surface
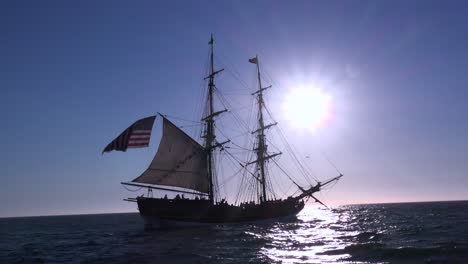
(385, 233)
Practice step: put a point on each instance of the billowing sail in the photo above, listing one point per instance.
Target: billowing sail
(180, 161)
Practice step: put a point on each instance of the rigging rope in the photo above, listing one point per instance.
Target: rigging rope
(234, 73)
(329, 161)
(284, 172)
(132, 190)
(182, 119)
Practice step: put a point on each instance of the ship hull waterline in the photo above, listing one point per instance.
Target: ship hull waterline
(185, 212)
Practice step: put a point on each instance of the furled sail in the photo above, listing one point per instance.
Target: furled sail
(180, 162)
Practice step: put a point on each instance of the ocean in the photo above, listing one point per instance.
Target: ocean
(435, 232)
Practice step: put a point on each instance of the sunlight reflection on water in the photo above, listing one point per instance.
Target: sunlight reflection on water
(305, 241)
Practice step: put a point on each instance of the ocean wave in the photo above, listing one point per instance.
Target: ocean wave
(379, 252)
(407, 233)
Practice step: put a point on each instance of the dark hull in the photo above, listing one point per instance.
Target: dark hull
(167, 211)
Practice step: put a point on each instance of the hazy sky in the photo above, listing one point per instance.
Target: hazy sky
(74, 74)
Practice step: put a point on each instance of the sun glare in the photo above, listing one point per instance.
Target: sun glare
(307, 108)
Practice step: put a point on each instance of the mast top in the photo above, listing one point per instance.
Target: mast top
(211, 40)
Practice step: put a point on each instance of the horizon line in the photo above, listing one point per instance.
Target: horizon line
(131, 212)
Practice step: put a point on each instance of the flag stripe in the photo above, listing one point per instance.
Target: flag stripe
(137, 145)
(137, 135)
(138, 141)
(141, 131)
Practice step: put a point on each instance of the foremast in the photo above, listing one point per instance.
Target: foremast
(209, 135)
(261, 148)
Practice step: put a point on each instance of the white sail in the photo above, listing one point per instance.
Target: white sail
(180, 161)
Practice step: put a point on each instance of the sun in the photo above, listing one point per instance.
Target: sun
(307, 108)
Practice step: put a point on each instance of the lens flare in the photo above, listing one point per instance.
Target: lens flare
(308, 108)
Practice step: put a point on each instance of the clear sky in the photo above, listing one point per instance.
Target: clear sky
(74, 74)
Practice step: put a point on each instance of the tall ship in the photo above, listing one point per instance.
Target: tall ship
(187, 170)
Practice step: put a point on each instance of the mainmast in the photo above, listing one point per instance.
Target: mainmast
(209, 121)
(261, 149)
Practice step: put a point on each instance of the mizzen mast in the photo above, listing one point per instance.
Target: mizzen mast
(261, 148)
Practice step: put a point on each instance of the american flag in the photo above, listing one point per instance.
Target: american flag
(254, 60)
(136, 136)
